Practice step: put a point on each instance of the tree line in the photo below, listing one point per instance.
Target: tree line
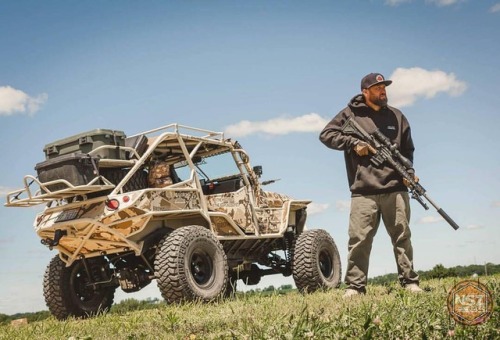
(440, 272)
(127, 305)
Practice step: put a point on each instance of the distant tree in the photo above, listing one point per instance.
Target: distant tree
(269, 289)
(32, 317)
(37, 316)
(440, 272)
(486, 269)
(4, 318)
(384, 279)
(128, 305)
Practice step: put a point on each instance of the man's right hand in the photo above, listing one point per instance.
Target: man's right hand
(362, 148)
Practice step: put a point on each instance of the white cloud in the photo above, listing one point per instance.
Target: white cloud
(495, 8)
(496, 204)
(413, 83)
(343, 206)
(14, 101)
(430, 219)
(474, 227)
(409, 85)
(443, 3)
(316, 208)
(396, 2)
(311, 122)
(439, 3)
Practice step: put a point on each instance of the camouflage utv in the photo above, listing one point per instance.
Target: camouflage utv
(178, 205)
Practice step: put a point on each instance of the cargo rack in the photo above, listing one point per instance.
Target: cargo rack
(27, 197)
(44, 195)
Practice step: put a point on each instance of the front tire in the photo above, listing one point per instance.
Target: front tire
(316, 262)
(68, 293)
(191, 265)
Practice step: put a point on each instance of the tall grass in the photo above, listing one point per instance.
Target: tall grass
(385, 312)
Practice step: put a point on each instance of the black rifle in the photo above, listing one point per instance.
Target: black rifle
(384, 151)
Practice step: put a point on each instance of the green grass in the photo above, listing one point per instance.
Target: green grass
(386, 312)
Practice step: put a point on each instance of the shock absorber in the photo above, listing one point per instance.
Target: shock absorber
(289, 240)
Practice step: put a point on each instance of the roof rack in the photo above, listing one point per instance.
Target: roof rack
(25, 197)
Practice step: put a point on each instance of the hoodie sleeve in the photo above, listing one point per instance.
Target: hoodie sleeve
(407, 146)
(332, 136)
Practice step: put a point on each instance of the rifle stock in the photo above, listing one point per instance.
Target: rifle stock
(384, 151)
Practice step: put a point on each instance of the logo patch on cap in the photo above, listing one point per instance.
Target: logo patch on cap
(372, 79)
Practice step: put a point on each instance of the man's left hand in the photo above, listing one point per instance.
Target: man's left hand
(407, 183)
(362, 148)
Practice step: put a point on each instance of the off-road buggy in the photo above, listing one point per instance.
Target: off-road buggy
(178, 205)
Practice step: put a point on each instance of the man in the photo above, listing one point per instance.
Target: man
(376, 191)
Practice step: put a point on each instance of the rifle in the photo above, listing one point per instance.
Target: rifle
(271, 181)
(384, 151)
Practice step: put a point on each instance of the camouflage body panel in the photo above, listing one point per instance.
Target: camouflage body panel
(273, 213)
(272, 199)
(90, 230)
(271, 220)
(127, 222)
(271, 216)
(222, 226)
(236, 205)
(50, 220)
(169, 200)
(88, 238)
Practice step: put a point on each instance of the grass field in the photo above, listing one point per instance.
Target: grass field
(386, 312)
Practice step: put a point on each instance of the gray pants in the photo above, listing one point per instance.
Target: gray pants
(366, 211)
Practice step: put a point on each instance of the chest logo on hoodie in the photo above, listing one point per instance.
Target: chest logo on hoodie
(391, 127)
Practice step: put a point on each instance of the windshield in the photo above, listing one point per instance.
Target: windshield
(211, 168)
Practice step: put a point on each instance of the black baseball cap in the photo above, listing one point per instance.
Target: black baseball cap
(373, 79)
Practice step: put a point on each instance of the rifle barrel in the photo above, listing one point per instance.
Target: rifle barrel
(441, 212)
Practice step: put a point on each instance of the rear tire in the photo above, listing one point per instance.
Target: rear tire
(191, 265)
(316, 262)
(67, 291)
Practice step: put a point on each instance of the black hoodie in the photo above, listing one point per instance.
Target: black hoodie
(364, 177)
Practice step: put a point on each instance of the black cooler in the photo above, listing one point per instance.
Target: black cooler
(76, 168)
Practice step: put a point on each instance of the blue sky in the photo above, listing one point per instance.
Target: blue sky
(269, 74)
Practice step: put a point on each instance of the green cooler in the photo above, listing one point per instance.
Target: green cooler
(88, 141)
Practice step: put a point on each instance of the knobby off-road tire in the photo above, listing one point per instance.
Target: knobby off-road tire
(191, 265)
(67, 292)
(316, 263)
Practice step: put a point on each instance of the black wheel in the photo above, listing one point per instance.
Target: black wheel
(191, 265)
(68, 293)
(316, 261)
